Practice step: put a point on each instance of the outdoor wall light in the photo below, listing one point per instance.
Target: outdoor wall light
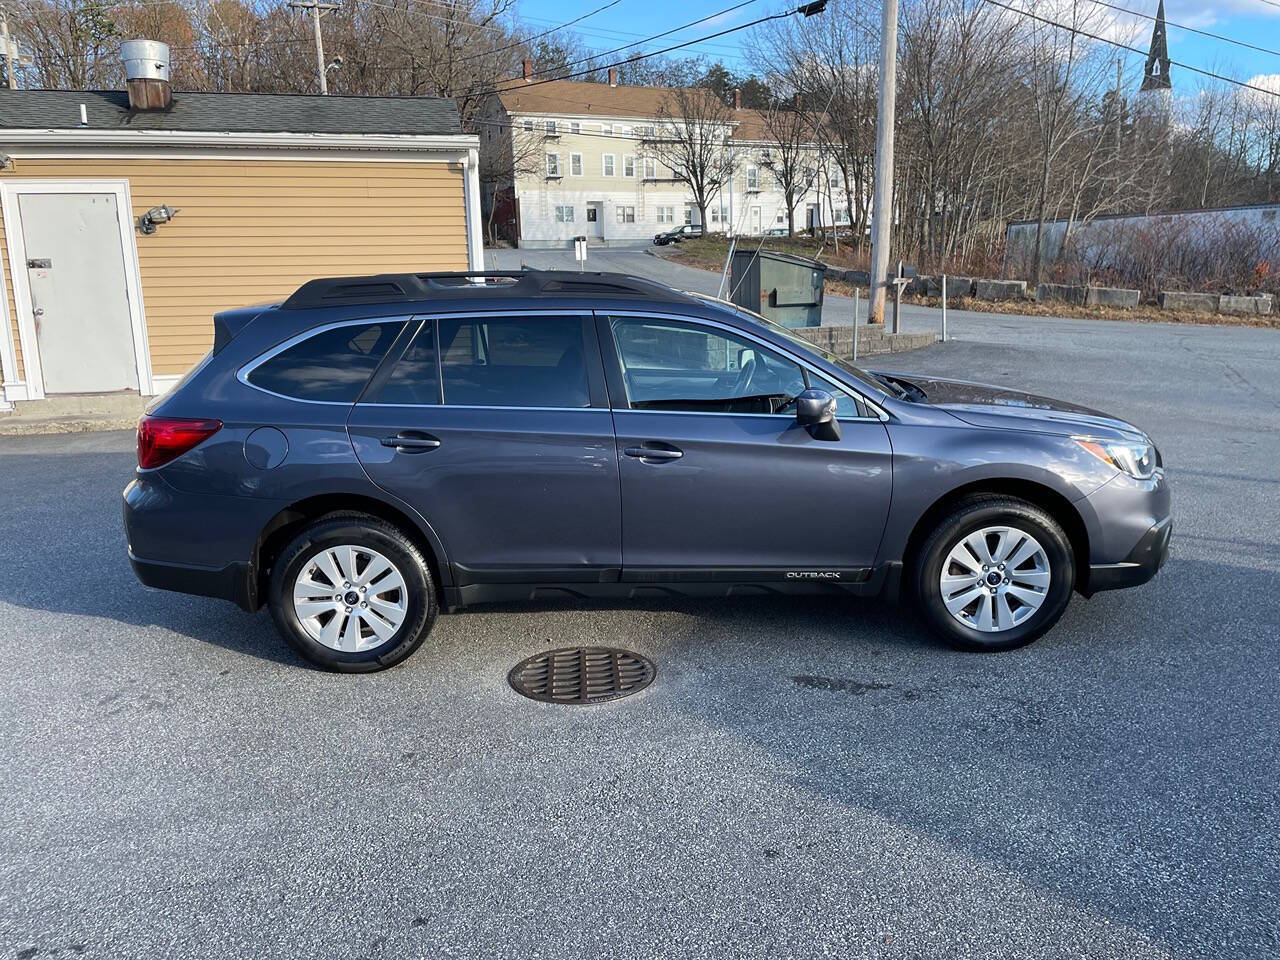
(148, 222)
(6, 161)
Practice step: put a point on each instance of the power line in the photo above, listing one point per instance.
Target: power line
(1142, 53)
(613, 36)
(1203, 33)
(539, 36)
(599, 66)
(432, 16)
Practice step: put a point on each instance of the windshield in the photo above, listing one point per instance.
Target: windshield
(857, 373)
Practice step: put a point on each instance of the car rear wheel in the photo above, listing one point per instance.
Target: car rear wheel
(995, 574)
(352, 594)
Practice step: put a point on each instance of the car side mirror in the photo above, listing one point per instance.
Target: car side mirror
(816, 412)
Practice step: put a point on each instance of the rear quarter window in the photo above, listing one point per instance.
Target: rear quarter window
(330, 366)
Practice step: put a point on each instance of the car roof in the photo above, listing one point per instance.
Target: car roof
(487, 288)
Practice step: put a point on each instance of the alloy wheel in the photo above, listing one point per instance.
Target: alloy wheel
(995, 578)
(350, 598)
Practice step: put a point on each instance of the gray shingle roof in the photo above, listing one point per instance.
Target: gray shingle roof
(231, 113)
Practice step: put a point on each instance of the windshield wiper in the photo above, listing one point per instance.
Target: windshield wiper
(898, 389)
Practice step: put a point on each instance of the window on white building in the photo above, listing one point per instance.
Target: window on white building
(564, 214)
(666, 214)
(528, 126)
(606, 129)
(753, 178)
(626, 131)
(628, 166)
(607, 165)
(575, 164)
(688, 214)
(649, 130)
(650, 168)
(575, 126)
(780, 218)
(550, 127)
(553, 164)
(626, 214)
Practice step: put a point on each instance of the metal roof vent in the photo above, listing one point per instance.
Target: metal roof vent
(146, 71)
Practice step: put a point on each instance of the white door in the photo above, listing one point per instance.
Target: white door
(78, 293)
(755, 221)
(595, 220)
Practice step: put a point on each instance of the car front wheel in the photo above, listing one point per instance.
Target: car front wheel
(352, 594)
(995, 574)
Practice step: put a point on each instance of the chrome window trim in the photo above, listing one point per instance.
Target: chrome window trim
(243, 373)
(881, 415)
(478, 406)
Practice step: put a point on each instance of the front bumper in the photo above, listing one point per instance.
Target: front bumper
(1143, 562)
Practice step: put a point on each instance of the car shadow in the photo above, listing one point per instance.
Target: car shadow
(1118, 763)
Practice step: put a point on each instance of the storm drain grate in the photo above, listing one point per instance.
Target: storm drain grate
(581, 675)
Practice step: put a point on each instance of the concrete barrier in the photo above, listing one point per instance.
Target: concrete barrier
(1244, 306)
(1065, 292)
(1112, 297)
(872, 339)
(1182, 300)
(957, 287)
(1000, 289)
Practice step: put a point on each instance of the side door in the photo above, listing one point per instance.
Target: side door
(718, 479)
(496, 428)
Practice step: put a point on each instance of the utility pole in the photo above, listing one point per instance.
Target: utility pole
(882, 197)
(318, 9)
(8, 51)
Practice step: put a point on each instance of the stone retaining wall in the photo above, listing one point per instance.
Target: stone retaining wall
(872, 339)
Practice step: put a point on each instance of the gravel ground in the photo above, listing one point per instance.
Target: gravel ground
(804, 778)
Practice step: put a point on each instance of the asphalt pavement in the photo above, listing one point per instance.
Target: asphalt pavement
(804, 778)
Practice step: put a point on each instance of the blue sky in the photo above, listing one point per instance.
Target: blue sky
(1253, 21)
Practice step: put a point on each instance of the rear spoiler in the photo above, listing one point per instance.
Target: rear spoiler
(228, 323)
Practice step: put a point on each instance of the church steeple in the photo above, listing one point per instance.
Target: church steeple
(1156, 75)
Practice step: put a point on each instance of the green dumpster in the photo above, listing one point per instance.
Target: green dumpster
(785, 288)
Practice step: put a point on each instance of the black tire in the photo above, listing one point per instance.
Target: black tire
(969, 517)
(363, 531)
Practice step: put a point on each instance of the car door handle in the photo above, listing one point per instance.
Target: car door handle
(654, 453)
(406, 442)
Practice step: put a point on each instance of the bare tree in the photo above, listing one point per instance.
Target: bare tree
(692, 133)
(788, 140)
(507, 152)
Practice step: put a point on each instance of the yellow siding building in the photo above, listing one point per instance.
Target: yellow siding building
(249, 196)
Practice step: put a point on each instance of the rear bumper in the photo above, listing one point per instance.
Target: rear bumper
(194, 543)
(1142, 563)
(232, 582)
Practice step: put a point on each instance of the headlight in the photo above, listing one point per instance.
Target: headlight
(1138, 460)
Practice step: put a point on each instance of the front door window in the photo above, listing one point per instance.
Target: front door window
(671, 365)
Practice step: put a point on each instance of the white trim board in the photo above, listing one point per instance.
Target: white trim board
(9, 193)
(58, 150)
(458, 143)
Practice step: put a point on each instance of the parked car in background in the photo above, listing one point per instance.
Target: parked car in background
(375, 449)
(683, 232)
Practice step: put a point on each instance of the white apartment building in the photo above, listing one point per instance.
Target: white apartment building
(566, 159)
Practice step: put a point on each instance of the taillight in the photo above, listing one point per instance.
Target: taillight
(161, 439)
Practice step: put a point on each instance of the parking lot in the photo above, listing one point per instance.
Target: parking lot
(804, 777)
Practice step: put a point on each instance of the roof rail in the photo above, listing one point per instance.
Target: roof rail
(466, 284)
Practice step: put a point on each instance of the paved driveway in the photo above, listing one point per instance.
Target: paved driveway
(636, 261)
(803, 779)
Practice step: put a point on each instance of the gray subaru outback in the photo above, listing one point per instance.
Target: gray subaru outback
(375, 449)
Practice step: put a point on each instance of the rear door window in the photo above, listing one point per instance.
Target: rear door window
(331, 366)
(415, 379)
(514, 361)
